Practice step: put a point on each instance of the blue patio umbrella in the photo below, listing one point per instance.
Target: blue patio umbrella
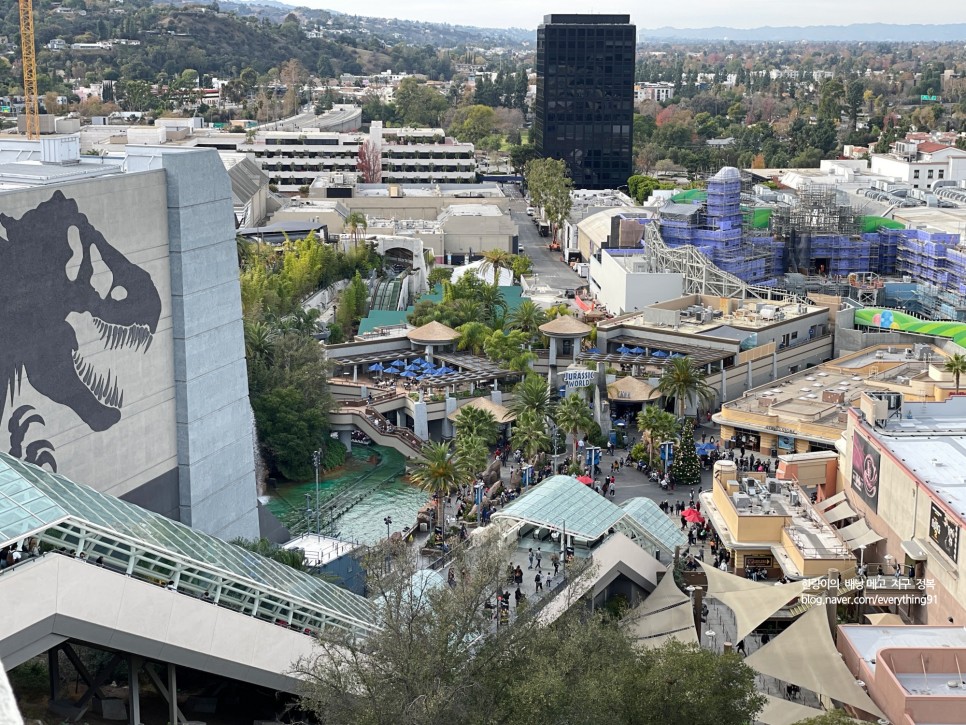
(659, 353)
(398, 363)
(407, 374)
(377, 368)
(593, 351)
(637, 351)
(419, 361)
(676, 354)
(445, 370)
(413, 368)
(623, 349)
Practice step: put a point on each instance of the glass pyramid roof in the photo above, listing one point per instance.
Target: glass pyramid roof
(33, 499)
(564, 503)
(655, 523)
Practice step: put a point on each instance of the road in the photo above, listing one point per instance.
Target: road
(550, 271)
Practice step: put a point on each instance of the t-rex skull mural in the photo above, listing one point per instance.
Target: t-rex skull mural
(55, 267)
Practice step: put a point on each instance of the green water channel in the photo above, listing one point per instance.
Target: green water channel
(368, 468)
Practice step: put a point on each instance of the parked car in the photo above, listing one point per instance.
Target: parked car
(530, 211)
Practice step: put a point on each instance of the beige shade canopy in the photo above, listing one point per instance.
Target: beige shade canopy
(752, 602)
(499, 412)
(433, 333)
(666, 594)
(681, 628)
(839, 512)
(830, 501)
(866, 539)
(805, 655)
(885, 620)
(785, 712)
(854, 531)
(565, 326)
(631, 390)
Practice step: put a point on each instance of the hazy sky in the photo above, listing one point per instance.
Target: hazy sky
(689, 14)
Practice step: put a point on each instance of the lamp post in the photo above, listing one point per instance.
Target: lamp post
(316, 462)
(888, 560)
(862, 556)
(388, 522)
(711, 634)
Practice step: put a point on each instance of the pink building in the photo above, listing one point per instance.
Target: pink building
(915, 674)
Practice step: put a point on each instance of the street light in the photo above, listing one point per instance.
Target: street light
(888, 560)
(862, 556)
(711, 634)
(316, 462)
(388, 522)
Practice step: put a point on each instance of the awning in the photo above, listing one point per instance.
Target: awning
(668, 621)
(914, 551)
(785, 712)
(854, 531)
(829, 502)
(805, 655)
(752, 602)
(839, 512)
(867, 539)
(885, 620)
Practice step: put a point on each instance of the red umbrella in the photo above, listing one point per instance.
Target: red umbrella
(586, 480)
(692, 516)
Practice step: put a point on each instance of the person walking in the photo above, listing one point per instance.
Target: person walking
(518, 576)
(518, 595)
(539, 558)
(538, 583)
(530, 558)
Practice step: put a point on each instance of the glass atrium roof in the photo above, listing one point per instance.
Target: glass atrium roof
(655, 523)
(563, 503)
(33, 500)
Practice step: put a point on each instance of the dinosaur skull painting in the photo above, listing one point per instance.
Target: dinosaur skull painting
(56, 268)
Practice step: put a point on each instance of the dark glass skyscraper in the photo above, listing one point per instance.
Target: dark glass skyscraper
(585, 96)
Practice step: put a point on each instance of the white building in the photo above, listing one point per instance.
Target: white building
(921, 163)
(293, 159)
(621, 281)
(659, 92)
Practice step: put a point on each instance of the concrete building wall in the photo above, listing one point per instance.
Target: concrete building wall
(215, 457)
(620, 290)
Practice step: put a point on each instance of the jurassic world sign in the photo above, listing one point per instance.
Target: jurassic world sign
(579, 378)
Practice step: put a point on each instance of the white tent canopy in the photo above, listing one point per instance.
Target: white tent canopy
(665, 614)
(829, 502)
(839, 512)
(805, 655)
(752, 602)
(785, 712)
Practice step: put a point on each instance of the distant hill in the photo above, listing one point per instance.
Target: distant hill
(391, 30)
(867, 32)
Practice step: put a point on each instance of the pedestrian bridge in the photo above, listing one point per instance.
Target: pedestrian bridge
(110, 574)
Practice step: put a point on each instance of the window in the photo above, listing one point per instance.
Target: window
(942, 173)
(929, 175)
(794, 335)
(915, 174)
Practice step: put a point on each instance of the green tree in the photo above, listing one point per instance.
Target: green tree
(686, 466)
(289, 429)
(473, 455)
(549, 183)
(439, 275)
(473, 123)
(495, 261)
(521, 265)
(831, 93)
(356, 222)
(476, 422)
(683, 381)
(520, 155)
(572, 415)
(656, 426)
(530, 434)
(527, 318)
(955, 364)
(531, 394)
(473, 336)
(854, 99)
(294, 558)
(438, 473)
(509, 349)
(418, 104)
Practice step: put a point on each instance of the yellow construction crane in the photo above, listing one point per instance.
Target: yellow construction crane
(29, 60)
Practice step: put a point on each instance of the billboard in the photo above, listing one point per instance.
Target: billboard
(944, 532)
(865, 471)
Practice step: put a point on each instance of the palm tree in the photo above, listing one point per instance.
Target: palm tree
(472, 454)
(684, 382)
(438, 473)
(476, 422)
(956, 364)
(531, 394)
(527, 318)
(472, 336)
(521, 266)
(496, 260)
(558, 310)
(494, 306)
(573, 416)
(354, 222)
(467, 310)
(657, 425)
(260, 338)
(530, 434)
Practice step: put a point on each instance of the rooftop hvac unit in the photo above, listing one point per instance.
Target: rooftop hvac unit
(793, 498)
(774, 487)
(741, 500)
(892, 351)
(909, 352)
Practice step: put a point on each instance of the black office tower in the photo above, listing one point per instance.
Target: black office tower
(585, 96)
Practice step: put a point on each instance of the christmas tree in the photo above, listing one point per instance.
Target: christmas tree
(686, 466)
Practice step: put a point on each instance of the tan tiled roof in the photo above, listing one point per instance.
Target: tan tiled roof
(565, 325)
(501, 413)
(433, 332)
(631, 390)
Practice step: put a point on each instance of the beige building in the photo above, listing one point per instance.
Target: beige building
(738, 343)
(901, 471)
(808, 410)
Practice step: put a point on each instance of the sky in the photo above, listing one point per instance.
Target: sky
(689, 14)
